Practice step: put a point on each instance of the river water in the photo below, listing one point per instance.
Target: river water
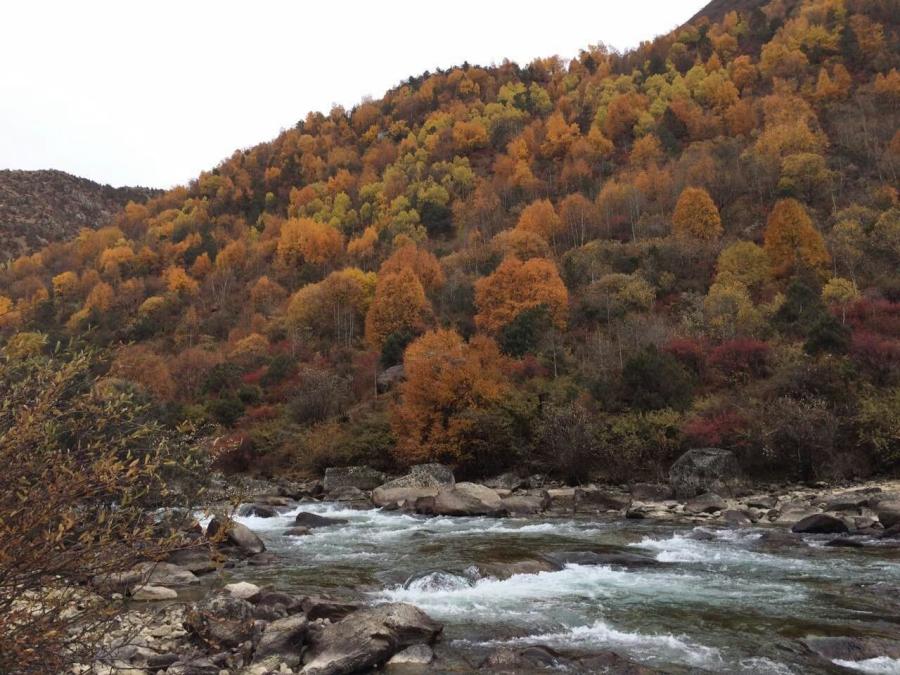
(721, 600)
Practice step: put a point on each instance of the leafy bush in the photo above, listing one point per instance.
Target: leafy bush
(653, 380)
(321, 394)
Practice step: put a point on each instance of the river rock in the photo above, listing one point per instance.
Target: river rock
(314, 520)
(505, 570)
(166, 574)
(221, 622)
(762, 502)
(424, 476)
(360, 477)
(386, 496)
(651, 492)
(236, 534)
(600, 499)
(367, 638)
(506, 481)
(298, 531)
(820, 523)
(852, 648)
(243, 590)
(464, 499)
(613, 559)
(417, 655)
(792, 513)
(317, 607)
(735, 517)
(525, 505)
(283, 638)
(258, 510)
(197, 560)
(844, 542)
(705, 503)
(541, 658)
(705, 470)
(198, 666)
(150, 593)
(888, 512)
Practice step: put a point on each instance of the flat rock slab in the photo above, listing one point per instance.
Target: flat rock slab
(820, 523)
(313, 520)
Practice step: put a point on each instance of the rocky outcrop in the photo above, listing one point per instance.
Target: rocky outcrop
(538, 658)
(705, 503)
(367, 638)
(705, 470)
(282, 641)
(221, 622)
(423, 480)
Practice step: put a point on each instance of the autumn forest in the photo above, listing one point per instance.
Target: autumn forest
(580, 268)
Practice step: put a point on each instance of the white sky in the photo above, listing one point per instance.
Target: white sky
(132, 92)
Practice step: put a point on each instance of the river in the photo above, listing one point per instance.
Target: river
(714, 600)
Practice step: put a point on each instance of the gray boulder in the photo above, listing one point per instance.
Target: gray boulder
(651, 492)
(613, 559)
(236, 534)
(705, 470)
(258, 510)
(705, 503)
(314, 520)
(417, 655)
(736, 518)
(888, 512)
(360, 477)
(283, 638)
(525, 505)
(197, 560)
(423, 480)
(221, 622)
(599, 499)
(367, 638)
(820, 523)
(852, 648)
(464, 499)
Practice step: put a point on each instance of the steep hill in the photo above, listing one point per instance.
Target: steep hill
(578, 267)
(39, 207)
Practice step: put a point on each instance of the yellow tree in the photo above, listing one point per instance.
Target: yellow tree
(448, 381)
(791, 240)
(334, 308)
(516, 286)
(421, 262)
(540, 217)
(399, 306)
(306, 240)
(745, 263)
(696, 215)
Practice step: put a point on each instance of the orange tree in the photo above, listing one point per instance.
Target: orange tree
(696, 215)
(517, 286)
(792, 241)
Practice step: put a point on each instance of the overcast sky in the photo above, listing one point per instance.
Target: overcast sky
(152, 92)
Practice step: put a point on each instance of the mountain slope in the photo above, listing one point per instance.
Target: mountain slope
(39, 207)
(581, 267)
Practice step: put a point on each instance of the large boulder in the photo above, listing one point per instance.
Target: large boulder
(526, 505)
(153, 593)
(360, 477)
(236, 534)
(705, 503)
(314, 520)
(464, 499)
(600, 499)
(221, 622)
(258, 510)
(423, 480)
(367, 638)
(197, 560)
(705, 470)
(820, 523)
(888, 512)
(283, 638)
(852, 648)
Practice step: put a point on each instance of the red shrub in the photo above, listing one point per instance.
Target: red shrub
(875, 316)
(687, 351)
(743, 356)
(253, 376)
(723, 428)
(877, 354)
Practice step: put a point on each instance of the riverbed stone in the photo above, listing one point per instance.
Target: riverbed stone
(820, 523)
(594, 498)
(464, 499)
(283, 638)
(424, 476)
(524, 505)
(367, 638)
(299, 531)
(705, 503)
(736, 517)
(197, 560)
(888, 512)
(852, 648)
(258, 510)
(506, 481)
(314, 520)
(242, 590)
(149, 592)
(417, 655)
(651, 492)
(705, 470)
(505, 570)
(360, 477)
(235, 533)
(221, 621)
(318, 607)
(612, 559)
(388, 496)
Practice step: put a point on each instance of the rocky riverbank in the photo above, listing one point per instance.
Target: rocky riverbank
(183, 617)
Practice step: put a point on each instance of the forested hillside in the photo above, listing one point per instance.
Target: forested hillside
(583, 267)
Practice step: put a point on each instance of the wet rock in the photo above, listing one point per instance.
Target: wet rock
(892, 532)
(242, 590)
(888, 512)
(523, 505)
(149, 593)
(505, 570)
(820, 523)
(792, 514)
(221, 622)
(542, 658)
(161, 661)
(845, 542)
(360, 477)
(197, 560)
(166, 574)
(705, 470)
(298, 531)
(848, 501)
(258, 510)
(779, 538)
(236, 534)
(317, 607)
(705, 503)
(651, 492)
(852, 648)
(313, 520)
(600, 499)
(283, 638)
(464, 499)
(736, 518)
(367, 638)
(613, 559)
(417, 655)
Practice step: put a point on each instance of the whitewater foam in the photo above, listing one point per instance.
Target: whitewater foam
(880, 665)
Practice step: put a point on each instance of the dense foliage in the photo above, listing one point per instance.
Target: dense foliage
(591, 265)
